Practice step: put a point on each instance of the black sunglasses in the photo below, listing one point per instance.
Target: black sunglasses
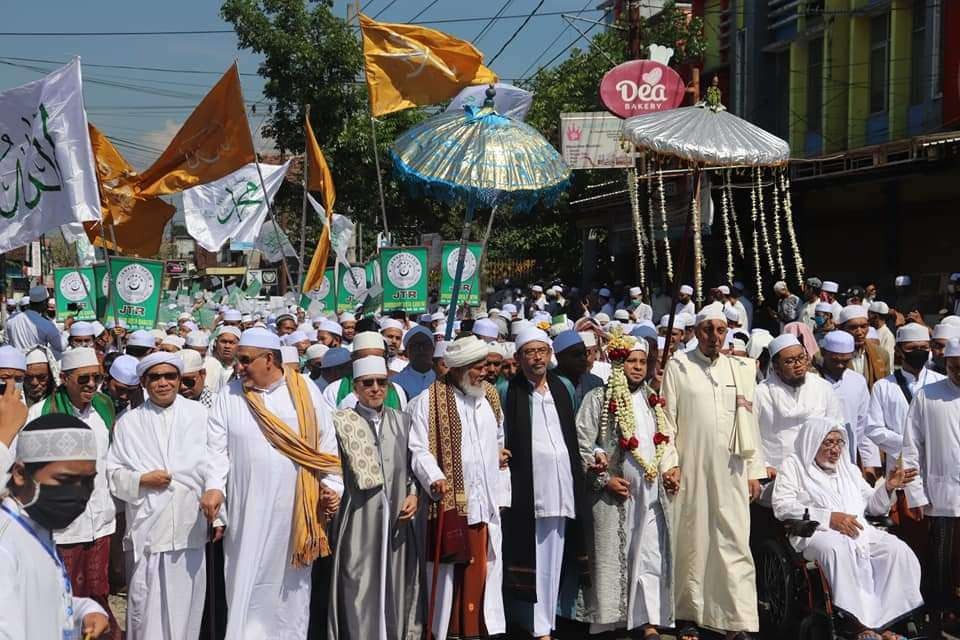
(170, 376)
(87, 377)
(369, 382)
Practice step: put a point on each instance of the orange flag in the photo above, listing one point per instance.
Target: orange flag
(213, 142)
(409, 65)
(137, 222)
(318, 179)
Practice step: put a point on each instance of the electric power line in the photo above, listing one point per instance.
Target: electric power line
(555, 41)
(515, 33)
(389, 4)
(487, 26)
(423, 11)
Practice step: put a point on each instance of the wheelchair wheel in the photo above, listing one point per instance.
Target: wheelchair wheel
(815, 627)
(778, 589)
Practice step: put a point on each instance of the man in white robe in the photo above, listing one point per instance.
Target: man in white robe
(268, 597)
(485, 486)
(788, 396)
(873, 575)
(157, 465)
(709, 400)
(932, 445)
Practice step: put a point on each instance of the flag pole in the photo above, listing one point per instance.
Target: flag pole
(376, 161)
(106, 257)
(303, 208)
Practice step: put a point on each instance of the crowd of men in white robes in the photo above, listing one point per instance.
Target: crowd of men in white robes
(353, 476)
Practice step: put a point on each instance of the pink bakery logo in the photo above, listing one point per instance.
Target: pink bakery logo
(573, 133)
(641, 86)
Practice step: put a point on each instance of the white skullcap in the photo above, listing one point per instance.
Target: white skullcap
(465, 351)
(196, 339)
(879, 307)
(369, 340)
(724, 289)
(713, 311)
(141, 338)
(838, 342)
(369, 366)
(335, 358)
(81, 329)
(234, 331)
(686, 289)
(852, 312)
(913, 332)
(390, 323)
(823, 307)
(621, 314)
(37, 356)
(286, 315)
(604, 293)
(531, 335)
(260, 338)
(640, 344)
(12, 358)
(635, 291)
(589, 338)
(316, 351)
(438, 315)
(779, 285)
(176, 341)
(731, 312)
(71, 441)
(487, 329)
(289, 354)
(192, 361)
(346, 316)
(79, 357)
(191, 325)
(232, 315)
(541, 316)
(158, 334)
(246, 317)
(567, 339)
(97, 327)
(952, 350)
(159, 357)
(439, 350)
(312, 335)
(781, 342)
(124, 370)
(113, 324)
(330, 327)
(951, 320)
(519, 326)
(38, 294)
(688, 320)
(184, 316)
(830, 286)
(946, 332)
(509, 308)
(537, 288)
(902, 281)
(417, 330)
(294, 337)
(760, 339)
(493, 313)
(602, 319)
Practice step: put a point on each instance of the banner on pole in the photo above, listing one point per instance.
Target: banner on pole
(76, 293)
(323, 296)
(469, 281)
(136, 296)
(404, 271)
(353, 288)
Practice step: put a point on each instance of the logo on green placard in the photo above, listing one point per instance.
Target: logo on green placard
(404, 270)
(469, 264)
(74, 286)
(134, 283)
(324, 289)
(357, 284)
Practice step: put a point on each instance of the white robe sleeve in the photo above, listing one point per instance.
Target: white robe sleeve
(504, 495)
(868, 450)
(786, 497)
(914, 445)
(13, 622)
(6, 461)
(217, 456)
(424, 465)
(328, 438)
(877, 499)
(877, 429)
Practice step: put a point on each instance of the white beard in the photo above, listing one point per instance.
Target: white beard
(829, 467)
(472, 390)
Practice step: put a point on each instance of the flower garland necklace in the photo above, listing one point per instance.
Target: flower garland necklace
(618, 409)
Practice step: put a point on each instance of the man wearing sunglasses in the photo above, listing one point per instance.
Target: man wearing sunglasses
(192, 383)
(85, 542)
(157, 467)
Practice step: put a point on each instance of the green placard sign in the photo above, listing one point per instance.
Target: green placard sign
(136, 296)
(353, 288)
(324, 295)
(76, 293)
(404, 273)
(470, 280)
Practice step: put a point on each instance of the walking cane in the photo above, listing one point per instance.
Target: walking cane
(436, 570)
(212, 590)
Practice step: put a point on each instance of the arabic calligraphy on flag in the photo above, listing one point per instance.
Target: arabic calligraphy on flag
(274, 243)
(47, 175)
(232, 208)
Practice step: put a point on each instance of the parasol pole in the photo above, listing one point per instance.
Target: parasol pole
(678, 274)
(458, 275)
(303, 207)
(486, 237)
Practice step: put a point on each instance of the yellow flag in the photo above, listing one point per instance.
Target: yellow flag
(318, 264)
(137, 222)
(213, 142)
(409, 65)
(318, 173)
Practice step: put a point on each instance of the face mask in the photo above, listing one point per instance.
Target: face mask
(940, 365)
(820, 321)
(315, 372)
(56, 506)
(916, 358)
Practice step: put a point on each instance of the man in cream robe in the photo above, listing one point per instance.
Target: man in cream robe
(873, 575)
(486, 484)
(709, 398)
(157, 465)
(267, 596)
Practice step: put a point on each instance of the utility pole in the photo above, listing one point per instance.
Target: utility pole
(633, 31)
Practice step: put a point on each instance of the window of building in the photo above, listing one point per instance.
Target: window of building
(814, 85)
(919, 64)
(879, 61)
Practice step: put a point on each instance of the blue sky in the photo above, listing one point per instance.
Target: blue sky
(145, 121)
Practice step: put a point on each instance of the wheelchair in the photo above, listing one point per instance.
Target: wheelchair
(793, 595)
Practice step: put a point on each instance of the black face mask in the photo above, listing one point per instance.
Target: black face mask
(940, 364)
(316, 372)
(916, 358)
(55, 506)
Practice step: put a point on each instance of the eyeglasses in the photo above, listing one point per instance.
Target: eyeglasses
(794, 361)
(246, 361)
(539, 351)
(169, 376)
(369, 382)
(833, 444)
(37, 377)
(86, 378)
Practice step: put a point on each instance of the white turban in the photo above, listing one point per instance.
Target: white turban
(159, 357)
(464, 351)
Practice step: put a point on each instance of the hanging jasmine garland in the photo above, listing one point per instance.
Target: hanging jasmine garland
(697, 244)
(763, 219)
(663, 223)
(788, 215)
(653, 237)
(756, 242)
(733, 214)
(638, 234)
(778, 241)
(725, 214)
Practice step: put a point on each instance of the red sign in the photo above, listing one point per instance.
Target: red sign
(641, 86)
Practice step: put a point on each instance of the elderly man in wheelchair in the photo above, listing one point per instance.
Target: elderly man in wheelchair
(873, 576)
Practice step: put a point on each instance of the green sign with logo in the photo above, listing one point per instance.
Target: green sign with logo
(136, 296)
(470, 279)
(324, 294)
(353, 288)
(404, 274)
(76, 292)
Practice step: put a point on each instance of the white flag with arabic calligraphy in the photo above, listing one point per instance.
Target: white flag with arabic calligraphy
(274, 244)
(341, 232)
(47, 173)
(233, 207)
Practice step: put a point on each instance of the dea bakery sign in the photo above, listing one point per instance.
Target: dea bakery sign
(642, 86)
